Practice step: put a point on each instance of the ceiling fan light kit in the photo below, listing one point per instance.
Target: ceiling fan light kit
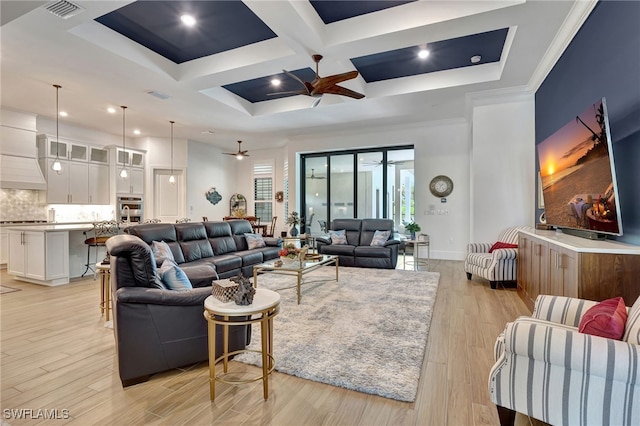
(240, 154)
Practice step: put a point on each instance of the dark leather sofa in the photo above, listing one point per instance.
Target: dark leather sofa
(358, 250)
(157, 329)
(199, 246)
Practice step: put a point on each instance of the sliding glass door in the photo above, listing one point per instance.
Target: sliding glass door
(368, 183)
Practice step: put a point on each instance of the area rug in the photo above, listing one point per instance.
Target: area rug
(4, 289)
(367, 332)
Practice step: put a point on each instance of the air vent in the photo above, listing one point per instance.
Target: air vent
(64, 9)
(157, 94)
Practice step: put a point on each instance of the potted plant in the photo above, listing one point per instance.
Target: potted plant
(413, 228)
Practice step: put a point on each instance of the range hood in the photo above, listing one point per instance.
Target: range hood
(20, 173)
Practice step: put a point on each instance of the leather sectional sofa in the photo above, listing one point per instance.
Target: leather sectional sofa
(358, 251)
(158, 329)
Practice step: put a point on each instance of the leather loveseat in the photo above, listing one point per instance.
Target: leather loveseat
(158, 329)
(358, 251)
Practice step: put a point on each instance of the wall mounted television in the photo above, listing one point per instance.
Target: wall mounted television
(578, 176)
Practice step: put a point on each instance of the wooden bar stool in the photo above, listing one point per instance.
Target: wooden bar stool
(96, 237)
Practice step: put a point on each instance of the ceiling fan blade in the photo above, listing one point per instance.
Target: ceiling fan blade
(292, 75)
(289, 92)
(321, 84)
(316, 102)
(343, 91)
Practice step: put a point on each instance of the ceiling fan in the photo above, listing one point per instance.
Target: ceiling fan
(321, 85)
(240, 154)
(389, 163)
(313, 176)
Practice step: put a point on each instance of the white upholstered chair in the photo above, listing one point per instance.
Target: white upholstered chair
(547, 370)
(497, 266)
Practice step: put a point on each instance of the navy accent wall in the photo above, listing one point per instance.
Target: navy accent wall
(603, 60)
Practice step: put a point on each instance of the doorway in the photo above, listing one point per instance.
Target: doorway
(168, 198)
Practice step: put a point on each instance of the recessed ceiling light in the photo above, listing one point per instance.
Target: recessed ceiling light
(423, 53)
(111, 110)
(63, 114)
(475, 59)
(136, 132)
(188, 20)
(275, 82)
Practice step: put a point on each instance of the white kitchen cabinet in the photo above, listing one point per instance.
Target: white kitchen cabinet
(98, 184)
(134, 184)
(38, 256)
(71, 186)
(4, 246)
(129, 157)
(98, 155)
(64, 149)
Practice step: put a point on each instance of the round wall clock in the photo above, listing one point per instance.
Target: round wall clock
(441, 186)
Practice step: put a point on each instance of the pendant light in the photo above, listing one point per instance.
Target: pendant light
(57, 165)
(172, 178)
(123, 172)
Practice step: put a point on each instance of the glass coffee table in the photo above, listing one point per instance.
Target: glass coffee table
(294, 268)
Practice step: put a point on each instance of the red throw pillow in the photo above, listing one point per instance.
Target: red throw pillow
(500, 245)
(606, 319)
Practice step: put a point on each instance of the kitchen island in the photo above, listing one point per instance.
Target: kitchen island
(47, 254)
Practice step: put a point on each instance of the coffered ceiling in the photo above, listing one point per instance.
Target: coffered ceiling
(215, 78)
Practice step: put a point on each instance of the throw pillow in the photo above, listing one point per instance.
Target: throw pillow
(254, 241)
(380, 237)
(173, 277)
(501, 245)
(338, 237)
(161, 251)
(606, 319)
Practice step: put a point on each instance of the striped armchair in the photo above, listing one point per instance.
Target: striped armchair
(547, 370)
(497, 266)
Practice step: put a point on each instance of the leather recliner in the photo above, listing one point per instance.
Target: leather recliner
(358, 251)
(157, 329)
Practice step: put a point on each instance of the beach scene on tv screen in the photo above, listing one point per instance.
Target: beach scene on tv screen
(576, 174)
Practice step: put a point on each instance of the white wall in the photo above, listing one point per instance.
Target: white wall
(503, 167)
(207, 168)
(440, 148)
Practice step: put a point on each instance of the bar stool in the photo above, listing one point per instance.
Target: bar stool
(103, 270)
(97, 237)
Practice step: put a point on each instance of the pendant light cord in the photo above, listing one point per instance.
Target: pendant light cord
(124, 144)
(57, 86)
(172, 122)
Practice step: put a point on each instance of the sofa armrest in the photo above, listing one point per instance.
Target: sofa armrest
(561, 310)
(563, 346)
(392, 242)
(505, 254)
(155, 296)
(323, 240)
(478, 247)
(273, 241)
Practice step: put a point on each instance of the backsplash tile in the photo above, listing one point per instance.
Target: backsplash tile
(21, 204)
(24, 204)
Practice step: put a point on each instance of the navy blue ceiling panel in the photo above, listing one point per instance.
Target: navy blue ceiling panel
(258, 89)
(221, 26)
(333, 11)
(444, 55)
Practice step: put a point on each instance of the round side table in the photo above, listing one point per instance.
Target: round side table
(103, 269)
(265, 306)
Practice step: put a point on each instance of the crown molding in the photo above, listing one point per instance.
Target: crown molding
(578, 14)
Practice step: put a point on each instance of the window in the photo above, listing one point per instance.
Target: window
(263, 191)
(359, 183)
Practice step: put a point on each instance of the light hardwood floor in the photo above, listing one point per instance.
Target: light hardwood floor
(57, 354)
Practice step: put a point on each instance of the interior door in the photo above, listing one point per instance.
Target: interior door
(168, 199)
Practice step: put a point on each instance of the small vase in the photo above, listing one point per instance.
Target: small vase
(294, 231)
(413, 235)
